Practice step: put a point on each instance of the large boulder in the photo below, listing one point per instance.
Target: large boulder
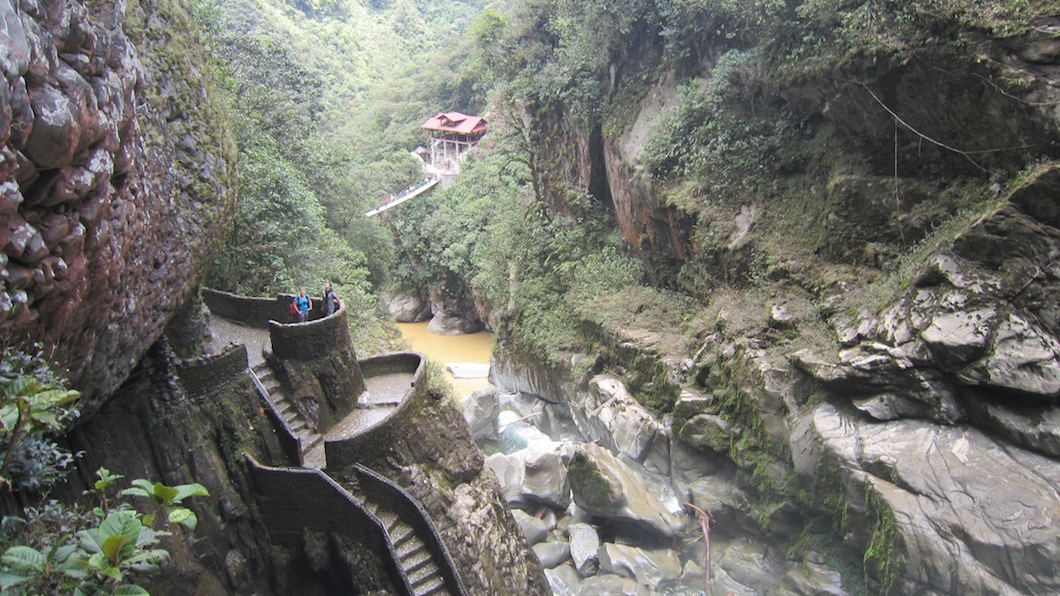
(408, 308)
(969, 515)
(534, 475)
(584, 547)
(607, 488)
(650, 568)
(605, 411)
(481, 409)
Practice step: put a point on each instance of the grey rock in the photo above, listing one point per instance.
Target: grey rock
(1024, 358)
(752, 565)
(468, 370)
(612, 585)
(407, 308)
(509, 474)
(814, 578)
(545, 477)
(606, 411)
(534, 529)
(974, 516)
(605, 487)
(480, 410)
(650, 568)
(447, 324)
(552, 554)
(563, 580)
(584, 546)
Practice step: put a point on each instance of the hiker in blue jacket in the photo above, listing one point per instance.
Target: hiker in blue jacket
(304, 303)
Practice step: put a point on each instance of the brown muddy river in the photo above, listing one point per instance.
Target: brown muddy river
(444, 349)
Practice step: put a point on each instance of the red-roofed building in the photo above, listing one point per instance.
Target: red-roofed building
(452, 134)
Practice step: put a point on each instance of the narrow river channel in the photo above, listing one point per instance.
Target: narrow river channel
(474, 348)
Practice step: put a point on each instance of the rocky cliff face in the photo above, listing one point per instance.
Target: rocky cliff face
(116, 179)
(925, 421)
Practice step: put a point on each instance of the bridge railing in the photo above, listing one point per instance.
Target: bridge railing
(382, 490)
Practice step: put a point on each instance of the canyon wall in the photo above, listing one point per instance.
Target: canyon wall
(117, 179)
(918, 413)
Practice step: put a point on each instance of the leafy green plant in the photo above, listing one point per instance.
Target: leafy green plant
(92, 550)
(33, 404)
(168, 499)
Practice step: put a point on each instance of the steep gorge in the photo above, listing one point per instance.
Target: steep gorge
(881, 347)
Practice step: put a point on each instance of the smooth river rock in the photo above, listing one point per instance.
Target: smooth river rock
(649, 567)
(584, 547)
(481, 409)
(605, 487)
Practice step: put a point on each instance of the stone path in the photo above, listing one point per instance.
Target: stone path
(227, 332)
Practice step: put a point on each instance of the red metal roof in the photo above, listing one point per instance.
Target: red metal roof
(455, 122)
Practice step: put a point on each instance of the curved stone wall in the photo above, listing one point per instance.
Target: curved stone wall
(319, 364)
(315, 359)
(251, 311)
(294, 499)
(374, 441)
(205, 376)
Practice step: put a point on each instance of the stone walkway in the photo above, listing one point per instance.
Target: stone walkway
(382, 395)
(227, 332)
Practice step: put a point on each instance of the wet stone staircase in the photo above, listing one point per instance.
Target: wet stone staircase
(312, 442)
(424, 576)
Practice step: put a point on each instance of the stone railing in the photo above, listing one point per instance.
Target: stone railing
(374, 441)
(289, 440)
(252, 311)
(207, 375)
(310, 340)
(381, 490)
(318, 361)
(294, 499)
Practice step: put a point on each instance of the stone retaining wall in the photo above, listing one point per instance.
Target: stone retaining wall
(319, 364)
(311, 340)
(207, 375)
(295, 499)
(373, 442)
(252, 311)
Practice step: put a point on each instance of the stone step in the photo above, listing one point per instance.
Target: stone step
(311, 440)
(296, 424)
(404, 539)
(432, 586)
(389, 519)
(370, 506)
(423, 574)
(415, 559)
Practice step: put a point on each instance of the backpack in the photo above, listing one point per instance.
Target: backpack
(294, 307)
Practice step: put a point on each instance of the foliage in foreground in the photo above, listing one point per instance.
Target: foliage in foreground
(33, 408)
(55, 549)
(97, 550)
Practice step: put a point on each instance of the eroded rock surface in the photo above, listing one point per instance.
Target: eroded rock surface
(116, 180)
